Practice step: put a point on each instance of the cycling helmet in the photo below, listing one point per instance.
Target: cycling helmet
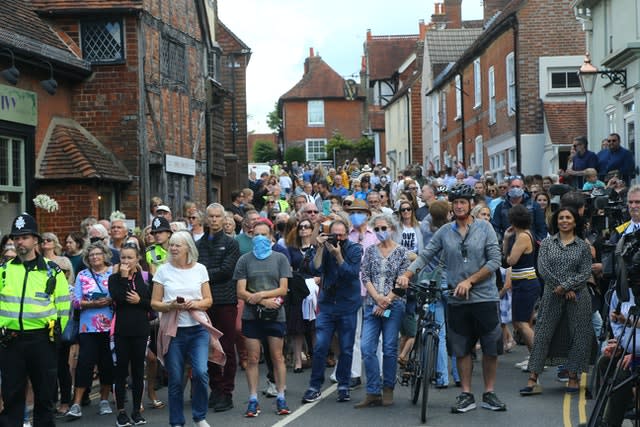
(441, 189)
(461, 191)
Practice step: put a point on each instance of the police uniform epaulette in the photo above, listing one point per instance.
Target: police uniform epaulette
(55, 267)
(150, 248)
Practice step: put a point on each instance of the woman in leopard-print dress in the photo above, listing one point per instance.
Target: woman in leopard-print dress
(564, 263)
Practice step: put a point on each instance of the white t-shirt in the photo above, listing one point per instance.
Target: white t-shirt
(285, 182)
(186, 283)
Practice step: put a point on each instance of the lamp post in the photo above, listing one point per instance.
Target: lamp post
(588, 73)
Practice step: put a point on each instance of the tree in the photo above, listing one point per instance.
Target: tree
(264, 151)
(363, 149)
(274, 121)
(295, 154)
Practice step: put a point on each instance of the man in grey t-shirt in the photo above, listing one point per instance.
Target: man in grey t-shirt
(263, 277)
(470, 251)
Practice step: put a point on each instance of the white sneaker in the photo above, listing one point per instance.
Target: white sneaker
(271, 390)
(525, 362)
(105, 408)
(333, 378)
(74, 412)
(202, 423)
(26, 423)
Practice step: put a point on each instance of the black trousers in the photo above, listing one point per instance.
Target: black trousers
(130, 351)
(31, 356)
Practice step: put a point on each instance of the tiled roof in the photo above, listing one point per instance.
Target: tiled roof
(240, 45)
(21, 29)
(565, 120)
(69, 151)
(319, 81)
(444, 46)
(79, 5)
(386, 54)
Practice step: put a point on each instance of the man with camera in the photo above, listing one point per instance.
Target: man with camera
(622, 307)
(471, 253)
(337, 261)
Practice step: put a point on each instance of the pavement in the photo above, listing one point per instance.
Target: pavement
(552, 408)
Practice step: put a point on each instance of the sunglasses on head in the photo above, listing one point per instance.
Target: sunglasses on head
(382, 228)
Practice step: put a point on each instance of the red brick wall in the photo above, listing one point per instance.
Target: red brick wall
(339, 115)
(416, 122)
(75, 201)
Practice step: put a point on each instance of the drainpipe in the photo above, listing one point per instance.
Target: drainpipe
(143, 148)
(409, 157)
(462, 125)
(514, 23)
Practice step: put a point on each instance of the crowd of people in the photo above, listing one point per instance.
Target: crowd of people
(309, 267)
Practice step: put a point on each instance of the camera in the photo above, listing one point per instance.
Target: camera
(332, 239)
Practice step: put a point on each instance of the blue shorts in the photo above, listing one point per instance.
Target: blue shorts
(524, 295)
(259, 329)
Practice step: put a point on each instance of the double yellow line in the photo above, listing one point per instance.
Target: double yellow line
(582, 404)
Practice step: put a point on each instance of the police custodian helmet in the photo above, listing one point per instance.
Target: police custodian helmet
(160, 224)
(24, 225)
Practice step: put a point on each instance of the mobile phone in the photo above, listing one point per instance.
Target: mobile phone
(97, 295)
(180, 300)
(386, 313)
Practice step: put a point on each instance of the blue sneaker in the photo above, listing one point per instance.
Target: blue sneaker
(281, 407)
(311, 396)
(253, 409)
(343, 396)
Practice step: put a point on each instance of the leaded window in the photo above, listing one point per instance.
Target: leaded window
(173, 60)
(103, 41)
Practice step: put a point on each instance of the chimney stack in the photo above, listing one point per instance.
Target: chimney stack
(438, 19)
(311, 52)
(453, 13)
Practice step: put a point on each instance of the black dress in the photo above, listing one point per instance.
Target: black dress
(301, 265)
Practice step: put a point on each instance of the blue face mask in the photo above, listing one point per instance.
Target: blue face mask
(357, 219)
(261, 247)
(515, 192)
(382, 235)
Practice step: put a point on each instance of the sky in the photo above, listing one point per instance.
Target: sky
(280, 33)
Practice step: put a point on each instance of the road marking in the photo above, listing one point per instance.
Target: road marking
(305, 408)
(566, 410)
(582, 402)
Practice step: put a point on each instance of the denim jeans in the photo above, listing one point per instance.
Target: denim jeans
(194, 341)
(326, 325)
(372, 327)
(442, 362)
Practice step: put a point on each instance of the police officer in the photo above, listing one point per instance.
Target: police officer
(157, 254)
(34, 307)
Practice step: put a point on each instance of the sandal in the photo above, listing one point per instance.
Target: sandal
(157, 404)
(573, 390)
(531, 390)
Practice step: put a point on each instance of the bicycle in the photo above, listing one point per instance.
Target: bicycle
(420, 368)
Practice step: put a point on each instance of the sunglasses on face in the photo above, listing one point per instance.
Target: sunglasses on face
(382, 228)
(304, 227)
(47, 240)
(347, 203)
(405, 209)
(313, 212)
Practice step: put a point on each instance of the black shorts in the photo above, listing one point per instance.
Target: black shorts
(468, 323)
(259, 329)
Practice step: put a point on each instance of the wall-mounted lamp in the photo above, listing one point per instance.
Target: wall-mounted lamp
(588, 73)
(49, 85)
(11, 74)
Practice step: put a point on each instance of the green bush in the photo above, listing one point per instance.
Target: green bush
(264, 151)
(295, 154)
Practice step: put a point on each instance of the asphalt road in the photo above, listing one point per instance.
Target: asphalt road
(552, 408)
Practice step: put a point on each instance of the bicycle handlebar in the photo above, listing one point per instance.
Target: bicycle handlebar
(430, 287)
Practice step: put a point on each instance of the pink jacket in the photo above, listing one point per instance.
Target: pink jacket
(169, 327)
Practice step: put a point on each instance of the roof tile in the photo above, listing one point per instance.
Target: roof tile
(71, 152)
(386, 54)
(17, 16)
(444, 46)
(565, 120)
(318, 81)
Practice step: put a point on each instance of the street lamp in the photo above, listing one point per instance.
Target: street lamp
(588, 73)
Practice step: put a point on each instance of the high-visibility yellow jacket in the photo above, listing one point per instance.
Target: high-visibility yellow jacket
(32, 299)
(156, 255)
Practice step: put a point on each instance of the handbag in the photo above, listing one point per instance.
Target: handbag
(70, 333)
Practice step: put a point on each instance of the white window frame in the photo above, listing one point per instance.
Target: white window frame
(567, 71)
(458, 88)
(510, 66)
(459, 153)
(496, 162)
(479, 153)
(443, 109)
(492, 95)
(315, 112)
(477, 83)
(15, 146)
(610, 118)
(313, 155)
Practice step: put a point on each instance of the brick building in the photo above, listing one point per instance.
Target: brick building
(134, 113)
(319, 105)
(498, 102)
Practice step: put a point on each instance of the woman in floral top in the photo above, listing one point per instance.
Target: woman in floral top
(383, 311)
(91, 296)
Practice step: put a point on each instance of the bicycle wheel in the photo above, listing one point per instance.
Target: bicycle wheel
(414, 365)
(429, 354)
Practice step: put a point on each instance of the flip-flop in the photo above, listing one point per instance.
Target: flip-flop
(157, 404)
